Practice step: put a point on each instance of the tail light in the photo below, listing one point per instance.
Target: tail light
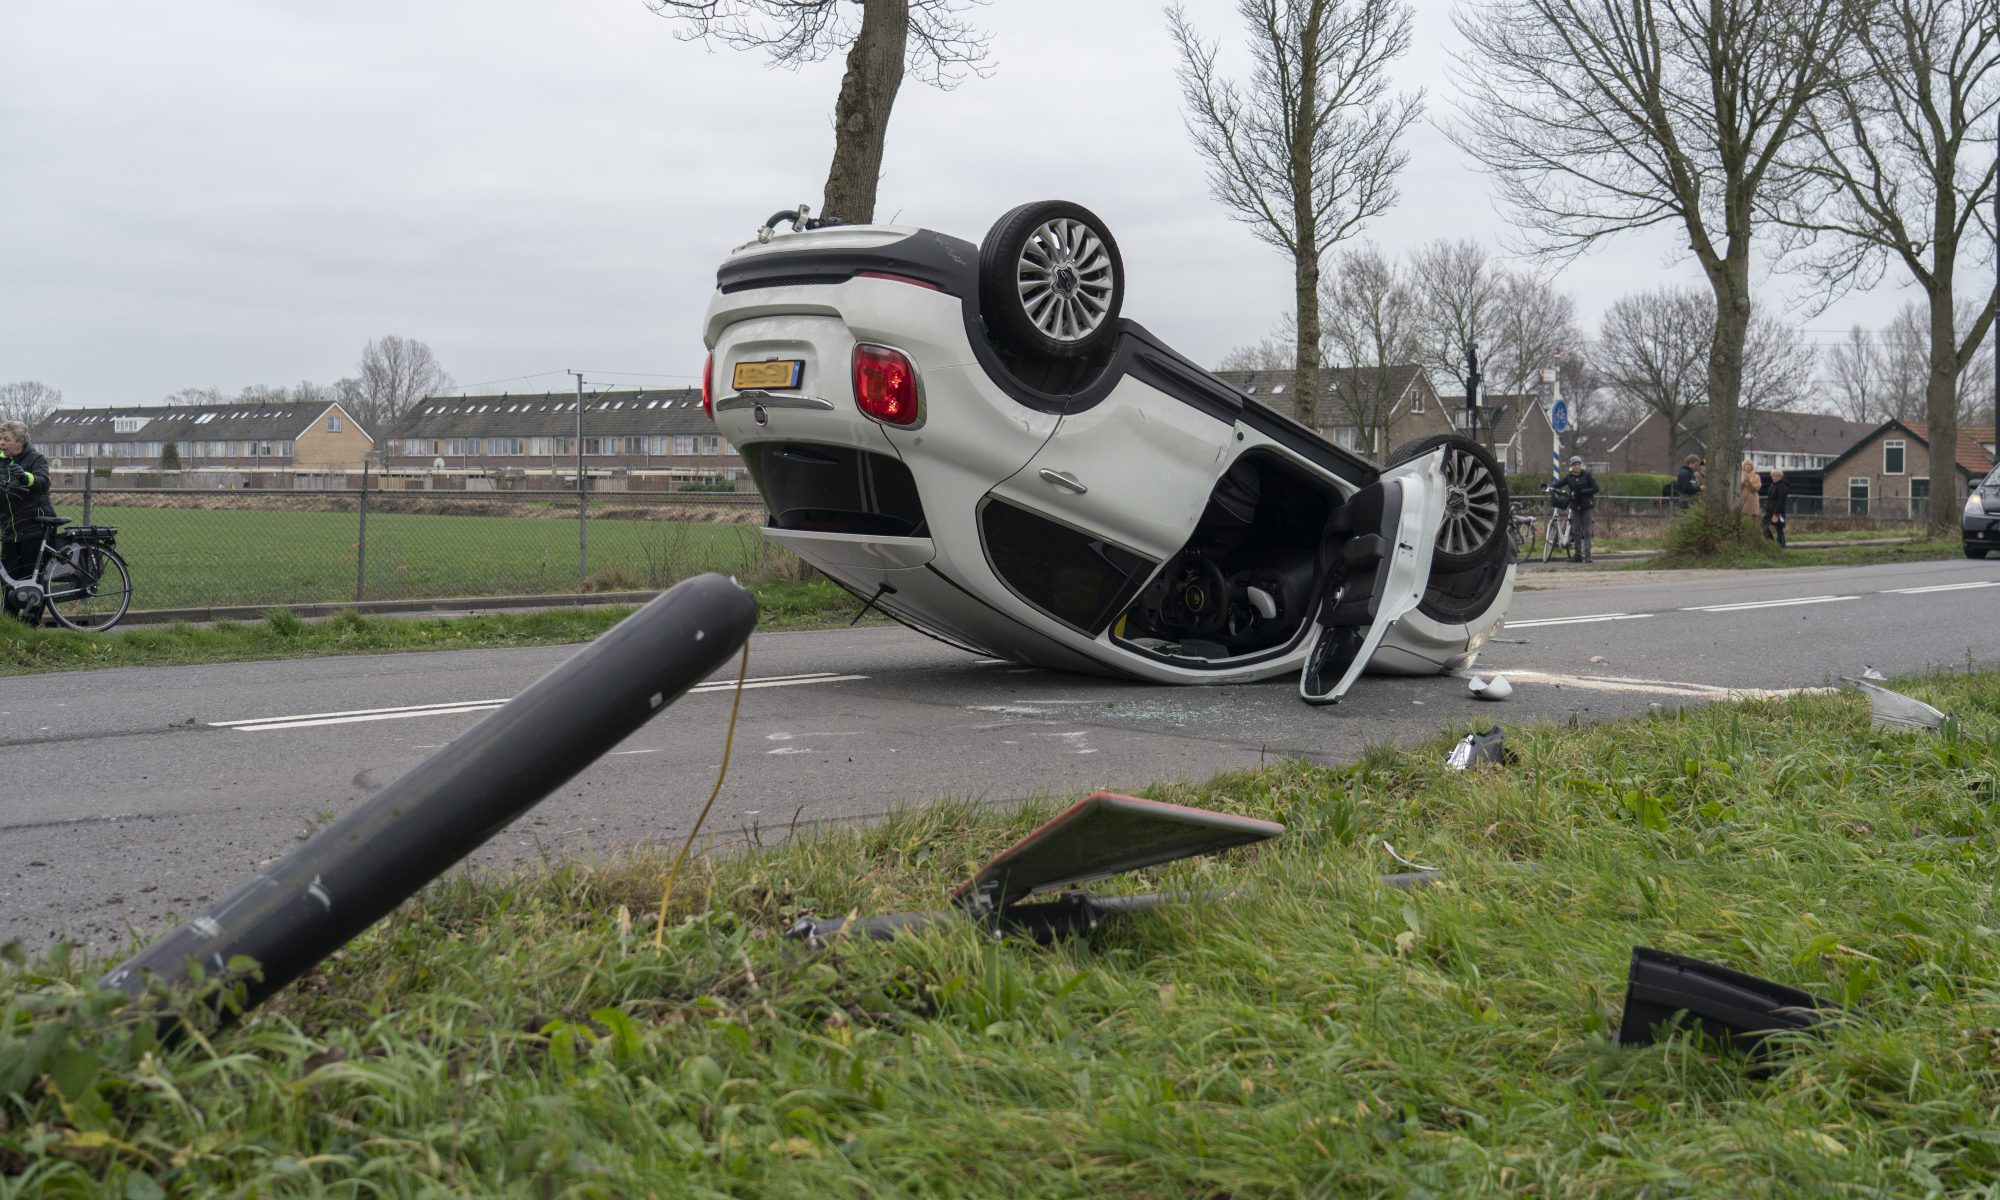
(885, 384)
(707, 387)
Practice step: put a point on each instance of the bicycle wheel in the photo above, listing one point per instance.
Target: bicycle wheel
(94, 595)
(1549, 540)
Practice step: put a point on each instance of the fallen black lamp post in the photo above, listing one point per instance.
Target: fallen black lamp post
(358, 869)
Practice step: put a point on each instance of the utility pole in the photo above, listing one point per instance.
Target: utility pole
(582, 495)
(1472, 390)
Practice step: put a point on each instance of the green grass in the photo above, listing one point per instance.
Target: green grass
(186, 558)
(1315, 1035)
(281, 634)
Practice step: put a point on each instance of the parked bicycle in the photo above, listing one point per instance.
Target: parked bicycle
(1557, 535)
(1521, 533)
(79, 578)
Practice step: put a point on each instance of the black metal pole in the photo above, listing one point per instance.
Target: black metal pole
(89, 476)
(361, 867)
(361, 538)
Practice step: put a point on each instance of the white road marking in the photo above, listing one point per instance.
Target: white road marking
(1720, 608)
(1583, 620)
(358, 715)
(1658, 687)
(1942, 587)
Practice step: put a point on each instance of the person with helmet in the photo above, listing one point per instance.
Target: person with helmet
(24, 506)
(1582, 487)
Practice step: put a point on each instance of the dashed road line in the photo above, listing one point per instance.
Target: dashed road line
(457, 707)
(1754, 604)
(1941, 587)
(1583, 620)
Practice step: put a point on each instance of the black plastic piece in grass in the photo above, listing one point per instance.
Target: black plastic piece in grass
(1733, 1009)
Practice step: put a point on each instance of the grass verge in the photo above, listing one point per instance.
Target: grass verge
(1315, 1035)
(781, 605)
(1807, 556)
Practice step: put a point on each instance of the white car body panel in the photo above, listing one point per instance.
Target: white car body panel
(1129, 469)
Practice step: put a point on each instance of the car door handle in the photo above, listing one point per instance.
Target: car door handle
(1064, 480)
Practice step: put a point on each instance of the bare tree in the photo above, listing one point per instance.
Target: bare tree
(1371, 325)
(1274, 353)
(1778, 366)
(1457, 287)
(1306, 152)
(1856, 367)
(1533, 324)
(394, 373)
(928, 37)
(1654, 348)
(1599, 117)
(1895, 154)
(191, 397)
(28, 401)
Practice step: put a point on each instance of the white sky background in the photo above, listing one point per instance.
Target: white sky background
(233, 192)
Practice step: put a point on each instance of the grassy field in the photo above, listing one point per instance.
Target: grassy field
(184, 558)
(280, 634)
(1317, 1034)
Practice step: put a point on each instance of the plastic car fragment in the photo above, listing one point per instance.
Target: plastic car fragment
(1496, 688)
(1893, 710)
(1475, 748)
(1735, 1010)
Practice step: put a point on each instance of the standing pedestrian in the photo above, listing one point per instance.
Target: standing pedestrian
(1748, 488)
(24, 505)
(1776, 502)
(1582, 487)
(1687, 484)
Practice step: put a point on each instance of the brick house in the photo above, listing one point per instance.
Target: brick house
(633, 439)
(241, 439)
(1802, 443)
(1889, 472)
(1403, 393)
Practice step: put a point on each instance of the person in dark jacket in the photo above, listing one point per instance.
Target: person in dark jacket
(1687, 484)
(24, 505)
(1777, 502)
(1582, 487)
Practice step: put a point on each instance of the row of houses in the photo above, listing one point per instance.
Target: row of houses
(654, 438)
(632, 438)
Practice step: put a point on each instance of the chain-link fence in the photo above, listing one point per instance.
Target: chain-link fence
(250, 547)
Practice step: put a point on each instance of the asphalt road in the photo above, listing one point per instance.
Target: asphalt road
(139, 795)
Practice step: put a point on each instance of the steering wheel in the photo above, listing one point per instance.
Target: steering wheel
(1197, 596)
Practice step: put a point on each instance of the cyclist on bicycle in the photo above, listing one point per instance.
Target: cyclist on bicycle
(24, 505)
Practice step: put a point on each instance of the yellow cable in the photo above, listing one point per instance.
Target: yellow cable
(728, 739)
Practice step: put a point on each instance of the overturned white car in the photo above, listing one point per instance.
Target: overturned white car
(971, 438)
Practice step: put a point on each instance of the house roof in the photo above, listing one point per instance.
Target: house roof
(1971, 458)
(1274, 388)
(184, 423)
(610, 413)
(1789, 432)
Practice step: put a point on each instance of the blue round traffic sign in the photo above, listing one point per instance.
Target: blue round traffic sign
(1559, 416)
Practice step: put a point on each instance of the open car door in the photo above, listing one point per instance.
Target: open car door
(1374, 560)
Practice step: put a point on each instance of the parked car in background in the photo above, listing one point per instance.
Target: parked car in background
(972, 439)
(1981, 524)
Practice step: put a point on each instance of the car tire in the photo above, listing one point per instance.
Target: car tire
(1474, 528)
(1050, 281)
(1975, 552)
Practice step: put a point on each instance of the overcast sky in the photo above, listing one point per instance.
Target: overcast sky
(233, 192)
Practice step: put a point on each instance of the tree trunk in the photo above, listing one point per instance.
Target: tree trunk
(1941, 403)
(861, 115)
(1731, 281)
(1305, 381)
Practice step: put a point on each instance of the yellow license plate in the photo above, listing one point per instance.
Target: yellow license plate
(776, 373)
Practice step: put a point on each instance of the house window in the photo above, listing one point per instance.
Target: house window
(1857, 494)
(1892, 457)
(635, 445)
(684, 444)
(1920, 499)
(333, 424)
(1416, 402)
(711, 444)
